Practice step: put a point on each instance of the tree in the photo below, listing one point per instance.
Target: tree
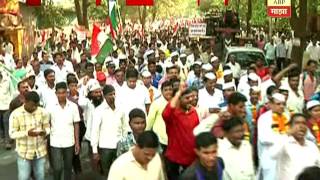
(298, 23)
(49, 16)
(82, 12)
(249, 15)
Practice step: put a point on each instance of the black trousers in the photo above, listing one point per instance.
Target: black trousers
(107, 156)
(76, 163)
(174, 169)
(281, 62)
(62, 162)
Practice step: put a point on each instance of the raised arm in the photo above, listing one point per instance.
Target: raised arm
(278, 77)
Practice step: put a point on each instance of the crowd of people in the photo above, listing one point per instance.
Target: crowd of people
(161, 107)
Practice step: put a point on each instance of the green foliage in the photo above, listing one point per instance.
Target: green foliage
(49, 16)
(259, 13)
(98, 12)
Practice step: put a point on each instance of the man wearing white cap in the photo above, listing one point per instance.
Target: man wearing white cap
(217, 67)
(227, 78)
(183, 67)
(253, 80)
(209, 96)
(271, 125)
(154, 93)
(235, 67)
(90, 97)
(206, 68)
(227, 89)
(149, 55)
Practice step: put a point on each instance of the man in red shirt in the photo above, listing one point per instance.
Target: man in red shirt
(180, 119)
(261, 70)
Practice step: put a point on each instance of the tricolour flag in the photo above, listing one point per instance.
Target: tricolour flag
(94, 41)
(113, 14)
(105, 50)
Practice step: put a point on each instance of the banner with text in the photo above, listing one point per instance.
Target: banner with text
(279, 8)
(197, 29)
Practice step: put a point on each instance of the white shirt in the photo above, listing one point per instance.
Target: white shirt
(238, 161)
(5, 91)
(314, 51)
(267, 138)
(235, 68)
(62, 120)
(108, 127)
(129, 99)
(207, 100)
(47, 95)
(88, 109)
(8, 61)
(40, 80)
(61, 73)
(289, 45)
(295, 103)
(126, 167)
(292, 158)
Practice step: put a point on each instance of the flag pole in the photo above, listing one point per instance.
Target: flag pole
(121, 25)
(118, 7)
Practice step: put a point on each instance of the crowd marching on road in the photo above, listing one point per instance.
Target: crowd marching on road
(161, 106)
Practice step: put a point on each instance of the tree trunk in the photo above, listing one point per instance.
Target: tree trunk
(299, 25)
(249, 15)
(78, 12)
(142, 15)
(154, 13)
(85, 13)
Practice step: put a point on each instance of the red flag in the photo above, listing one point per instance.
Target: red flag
(98, 2)
(226, 2)
(33, 2)
(139, 2)
(94, 41)
(198, 2)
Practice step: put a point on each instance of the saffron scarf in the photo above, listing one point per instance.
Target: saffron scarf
(280, 123)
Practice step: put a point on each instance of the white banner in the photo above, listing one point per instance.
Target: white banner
(197, 29)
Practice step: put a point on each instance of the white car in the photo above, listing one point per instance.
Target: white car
(245, 55)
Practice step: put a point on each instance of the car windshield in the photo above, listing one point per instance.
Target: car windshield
(245, 58)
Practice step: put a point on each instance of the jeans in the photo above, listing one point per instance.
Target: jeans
(107, 158)
(26, 166)
(62, 162)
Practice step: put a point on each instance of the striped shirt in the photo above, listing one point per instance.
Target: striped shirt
(20, 123)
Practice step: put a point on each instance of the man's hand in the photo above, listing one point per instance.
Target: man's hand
(33, 133)
(183, 87)
(224, 115)
(293, 65)
(76, 148)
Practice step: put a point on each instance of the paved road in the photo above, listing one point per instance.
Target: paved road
(8, 166)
